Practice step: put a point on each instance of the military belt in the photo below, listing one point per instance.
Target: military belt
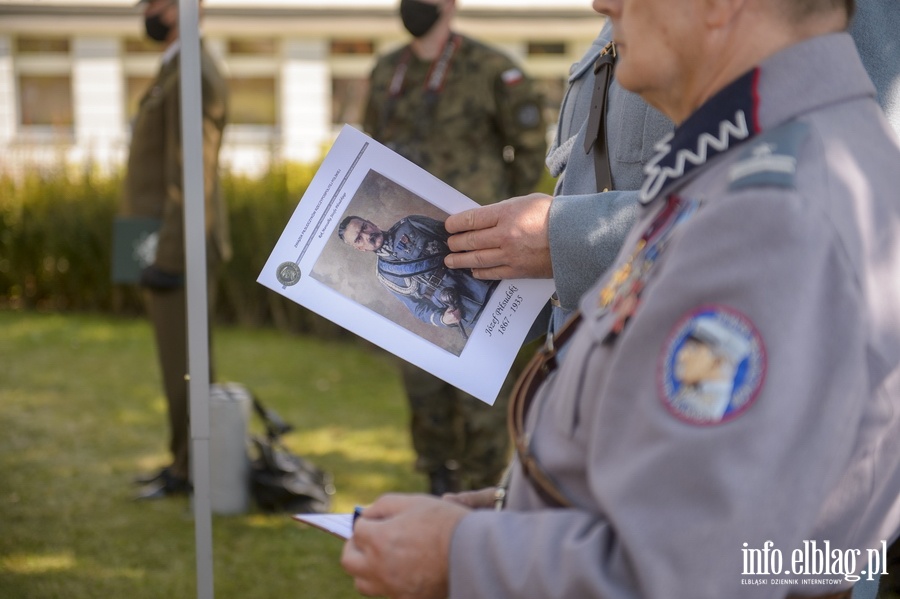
(433, 281)
(595, 135)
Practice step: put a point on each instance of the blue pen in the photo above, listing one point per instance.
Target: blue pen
(357, 512)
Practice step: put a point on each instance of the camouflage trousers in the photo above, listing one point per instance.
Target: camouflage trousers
(453, 430)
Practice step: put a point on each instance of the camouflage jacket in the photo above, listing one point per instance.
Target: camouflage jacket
(459, 133)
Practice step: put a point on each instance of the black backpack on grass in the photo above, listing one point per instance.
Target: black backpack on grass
(281, 481)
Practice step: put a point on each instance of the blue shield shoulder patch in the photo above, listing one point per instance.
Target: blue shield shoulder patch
(712, 367)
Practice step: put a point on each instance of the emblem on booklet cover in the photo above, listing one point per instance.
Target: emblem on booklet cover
(288, 273)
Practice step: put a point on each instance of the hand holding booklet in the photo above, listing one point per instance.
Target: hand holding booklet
(365, 248)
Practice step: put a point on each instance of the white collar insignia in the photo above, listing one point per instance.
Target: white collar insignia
(685, 159)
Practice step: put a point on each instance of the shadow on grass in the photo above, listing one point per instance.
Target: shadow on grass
(81, 412)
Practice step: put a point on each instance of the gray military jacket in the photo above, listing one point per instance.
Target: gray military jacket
(874, 28)
(587, 228)
(769, 240)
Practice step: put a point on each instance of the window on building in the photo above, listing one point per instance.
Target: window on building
(252, 101)
(352, 47)
(142, 45)
(252, 47)
(546, 48)
(44, 85)
(348, 98)
(46, 101)
(41, 45)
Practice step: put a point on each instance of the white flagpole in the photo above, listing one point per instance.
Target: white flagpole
(195, 251)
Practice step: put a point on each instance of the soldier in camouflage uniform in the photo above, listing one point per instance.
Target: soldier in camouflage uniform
(467, 114)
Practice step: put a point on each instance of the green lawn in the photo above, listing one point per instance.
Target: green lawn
(81, 412)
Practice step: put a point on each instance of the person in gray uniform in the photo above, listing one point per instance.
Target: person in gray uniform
(574, 235)
(874, 29)
(769, 223)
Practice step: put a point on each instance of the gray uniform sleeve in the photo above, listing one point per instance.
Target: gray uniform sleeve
(664, 501)
(586, 233)
(587, 227)
(874, 29)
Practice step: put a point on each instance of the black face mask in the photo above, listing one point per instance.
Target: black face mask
(418, 17)
(156, 29)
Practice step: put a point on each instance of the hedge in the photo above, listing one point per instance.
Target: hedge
(56, 242)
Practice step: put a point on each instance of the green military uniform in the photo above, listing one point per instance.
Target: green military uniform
(458, 132)
(472, 119)
(153, 188)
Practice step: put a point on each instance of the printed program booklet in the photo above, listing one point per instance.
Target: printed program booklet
(386, 281)
(339, 525)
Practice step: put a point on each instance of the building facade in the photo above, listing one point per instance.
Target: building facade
(72, 71)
